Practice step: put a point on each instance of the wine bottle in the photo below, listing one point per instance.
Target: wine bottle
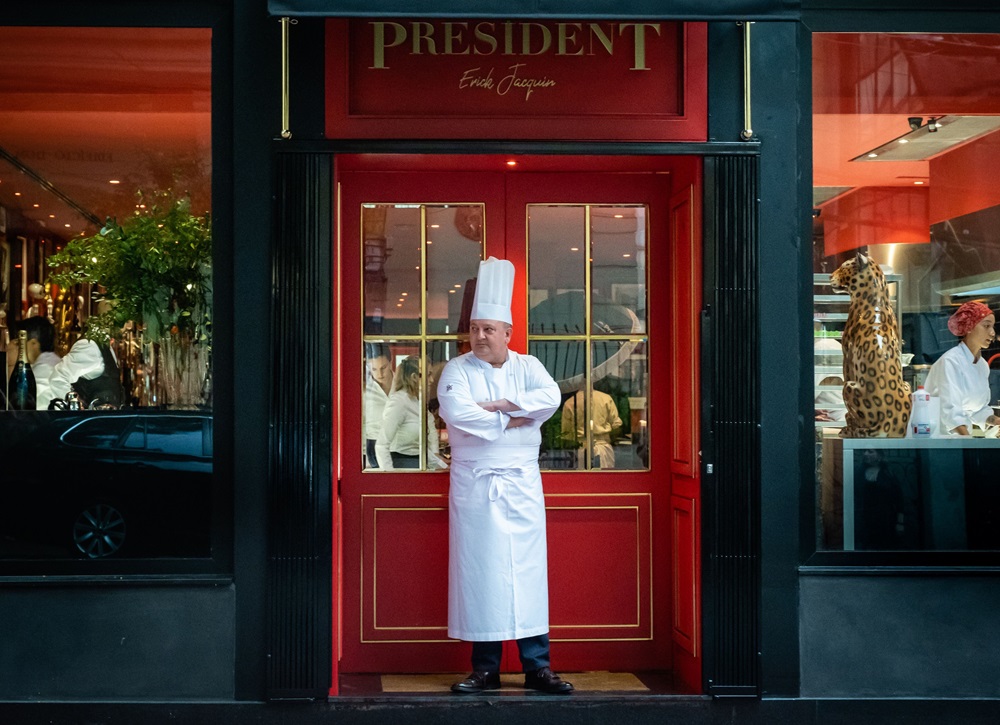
(21, 386)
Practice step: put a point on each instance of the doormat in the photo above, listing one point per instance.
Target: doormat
(596, 681)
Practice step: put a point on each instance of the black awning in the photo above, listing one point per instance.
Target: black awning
(562, 9)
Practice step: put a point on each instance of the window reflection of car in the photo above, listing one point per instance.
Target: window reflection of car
(108, 483)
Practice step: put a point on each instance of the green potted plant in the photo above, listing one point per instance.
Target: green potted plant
(153, 272)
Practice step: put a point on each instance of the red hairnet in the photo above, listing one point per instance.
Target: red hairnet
(966, 317)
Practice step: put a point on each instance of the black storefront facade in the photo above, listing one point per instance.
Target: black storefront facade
(783, 622)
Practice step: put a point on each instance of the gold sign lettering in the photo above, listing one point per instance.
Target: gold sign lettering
(566, 38)
(510, 38)
(378, 31)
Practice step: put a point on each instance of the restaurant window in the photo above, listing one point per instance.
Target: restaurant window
(906, 213)
(106, 266)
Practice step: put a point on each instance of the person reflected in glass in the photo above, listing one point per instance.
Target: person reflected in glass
(41, 355)
(378, 383)
(879, 514)
(604, 423)
(961, 377)
(398, 442)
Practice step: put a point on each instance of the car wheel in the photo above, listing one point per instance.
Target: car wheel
(99, 530)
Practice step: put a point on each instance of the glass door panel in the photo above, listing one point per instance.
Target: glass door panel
(618, 268)
(392, 251)
(587, 315)
(454, 234)
(557, 258)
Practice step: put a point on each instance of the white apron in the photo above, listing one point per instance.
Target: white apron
(497, 565)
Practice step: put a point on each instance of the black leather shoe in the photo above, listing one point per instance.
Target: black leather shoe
(477, 682)
(547, 681)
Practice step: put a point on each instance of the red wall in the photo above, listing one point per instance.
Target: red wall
(876, 215)
(964, 180)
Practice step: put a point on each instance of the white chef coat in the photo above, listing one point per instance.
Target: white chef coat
(497, 565)
(604, 419)
(42, 368)
(374, 404)
(84, 360)
(400, 429)
(963, 385)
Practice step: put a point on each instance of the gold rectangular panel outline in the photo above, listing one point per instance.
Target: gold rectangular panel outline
(375, 513)
(361, 569)
(638, 577)
(649, 501)
(645, 495)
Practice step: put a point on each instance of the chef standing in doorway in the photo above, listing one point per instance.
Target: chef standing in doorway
(494, 402)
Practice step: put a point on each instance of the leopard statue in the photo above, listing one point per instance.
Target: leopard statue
(876, 398)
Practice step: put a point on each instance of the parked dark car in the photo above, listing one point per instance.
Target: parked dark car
(99, 484)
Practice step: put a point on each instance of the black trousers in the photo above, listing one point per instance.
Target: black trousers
(533, 651)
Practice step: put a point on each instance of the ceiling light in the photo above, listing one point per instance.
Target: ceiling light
(935, 137)
(114, 181)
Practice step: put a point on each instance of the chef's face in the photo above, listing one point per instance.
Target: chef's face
(489, 339)
(982, 335)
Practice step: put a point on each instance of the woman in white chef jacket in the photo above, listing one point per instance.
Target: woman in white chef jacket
(961, 377)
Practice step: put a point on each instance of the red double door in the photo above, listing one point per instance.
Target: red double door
(623, 544)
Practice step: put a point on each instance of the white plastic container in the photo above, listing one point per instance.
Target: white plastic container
(920, 413)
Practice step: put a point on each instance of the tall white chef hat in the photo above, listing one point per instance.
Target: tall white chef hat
(494, 289)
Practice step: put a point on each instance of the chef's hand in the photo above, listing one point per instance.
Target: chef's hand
(518, 422)
(499, 406)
